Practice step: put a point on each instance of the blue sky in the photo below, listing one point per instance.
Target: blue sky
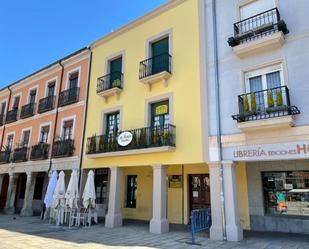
(35, 33)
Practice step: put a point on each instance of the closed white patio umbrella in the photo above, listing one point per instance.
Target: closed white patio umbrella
(59, 193)
(89, 194)
(72, 195)
(48, 199)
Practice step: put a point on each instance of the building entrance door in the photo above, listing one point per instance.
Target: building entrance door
(199, 190)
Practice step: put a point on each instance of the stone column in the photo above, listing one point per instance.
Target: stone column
(28, 198)
(10, 198)
(159, 223)
(114, 216)
(234, 231)
(216, 229)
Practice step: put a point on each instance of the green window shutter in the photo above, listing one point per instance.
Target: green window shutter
(115, 72)
(160, 57)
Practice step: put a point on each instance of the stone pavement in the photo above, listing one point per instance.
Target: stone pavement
(31, 232)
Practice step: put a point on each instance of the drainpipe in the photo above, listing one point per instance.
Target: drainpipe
(85, 119)
(7, 109)
(218, 116)
(56, 118)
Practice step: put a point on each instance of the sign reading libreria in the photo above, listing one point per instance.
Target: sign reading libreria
(292, 150)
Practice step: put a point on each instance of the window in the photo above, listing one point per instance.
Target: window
(2, 111)
(112, 123)
(115, 66)
(286, 193)
(67, 130)
(39, 181)
(160, 114)
(32, 96)
(16, 102)
(44, 134)
(131, 191)
(160, 56)
(9, 142)
(255, 8)
(25, 138)
(73, 80)
(51, 88)
(101, 183)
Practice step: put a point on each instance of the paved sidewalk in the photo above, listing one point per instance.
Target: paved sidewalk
(31, 233)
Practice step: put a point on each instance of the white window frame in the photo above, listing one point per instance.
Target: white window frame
(242, 3)
(74, 70)
(167, 33)
(55, 79)
(104, 114)
(113, 57)
(262, 72)
(14, 96)
(22, 134)
(40, 128)
(62, 123)
(36, 87)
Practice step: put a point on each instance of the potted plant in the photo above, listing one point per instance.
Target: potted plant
(102, 144)
(116, 83)
(253, 102)
(92, 144)
(279, 101)
(142, 138)
(270, 102)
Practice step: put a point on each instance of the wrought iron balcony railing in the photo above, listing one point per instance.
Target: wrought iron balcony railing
(20, 154)
(110, 81)
(46, 104)
(69, 96)
(142, 138)
(274, 102)
(257, 26)
(63, 148)
(39, 151)
(11, 116)
(5, 156)
(154, 65)
(27, 110)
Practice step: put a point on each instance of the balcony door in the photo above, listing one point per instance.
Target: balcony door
(16, 102)
(262, 80)
(160, 114)
(159, 54)
(32, 95)
(9, 142)
(51, 89)
(67, 130)
(112, 124)
(115, 72)
(25, 138)
(73, 80)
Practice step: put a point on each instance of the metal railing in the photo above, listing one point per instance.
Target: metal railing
(27, 110)
(20, 154)
(69, 96)
(257, 26)
(11, 116)
(46, 104)
(5, 156)
(154, 65)
(141, 138)
(39, 151)
(273, 102)
(63, 148)
(110, 81)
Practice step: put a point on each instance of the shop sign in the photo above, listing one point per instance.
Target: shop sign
(161, 109)
(175, 181)
(284, 151)
(125, 138)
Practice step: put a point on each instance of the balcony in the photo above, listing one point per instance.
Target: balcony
(11, 116)
(39, 151)
(143, 140)
(69, 96)
(267, 108)
(5, 156)
(46, 104)
(258, 33)
(27, 110)
(158, 68)
(63, 148)
(110, 84)
(20, 154)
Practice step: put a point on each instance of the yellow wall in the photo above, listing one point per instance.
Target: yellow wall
(178, 205)
(242, 194)
(184, 85)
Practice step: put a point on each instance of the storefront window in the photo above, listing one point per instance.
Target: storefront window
(101, 182)
(286, 193)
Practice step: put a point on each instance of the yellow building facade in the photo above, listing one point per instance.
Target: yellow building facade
(177, 86)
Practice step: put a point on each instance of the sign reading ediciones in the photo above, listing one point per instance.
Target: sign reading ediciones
(292, 150)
